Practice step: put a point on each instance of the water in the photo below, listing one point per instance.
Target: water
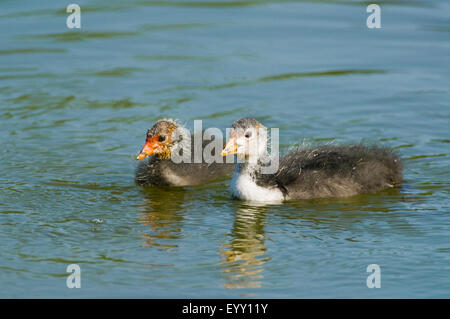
(75, 105)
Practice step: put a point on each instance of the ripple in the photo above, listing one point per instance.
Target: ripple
(314, 74)
(28, 76)
(118, 72)
(271, 78)
(403, 146)
(88, 186)
(47, 102)
(76, 36)
(441, 140)
(6, 212)
(423, 156)
(18, 69)
(182, 26)
(176, 57)
(287, 76)
(31, 50)
(53, 11)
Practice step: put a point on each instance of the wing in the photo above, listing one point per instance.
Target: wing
(326, 159)
(288, 172)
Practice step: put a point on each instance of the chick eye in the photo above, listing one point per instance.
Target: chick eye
(161, 138)
(248, 134)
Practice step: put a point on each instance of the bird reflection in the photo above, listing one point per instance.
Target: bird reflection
(244, 256)
(161, 212)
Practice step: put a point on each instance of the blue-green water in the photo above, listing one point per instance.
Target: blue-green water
(75, 106)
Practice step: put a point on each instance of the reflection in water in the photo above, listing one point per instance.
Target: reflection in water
(345, 219)
(244, 256)
(355, 214)
(162, 214)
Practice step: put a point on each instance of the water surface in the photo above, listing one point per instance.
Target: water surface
(75, 105)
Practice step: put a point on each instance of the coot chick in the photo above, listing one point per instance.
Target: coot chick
(324, 171)
(156, 167)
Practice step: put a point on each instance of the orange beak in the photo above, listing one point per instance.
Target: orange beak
(151, 143)
(231, 147)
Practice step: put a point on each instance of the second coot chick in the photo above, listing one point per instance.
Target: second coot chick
(156, 167)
